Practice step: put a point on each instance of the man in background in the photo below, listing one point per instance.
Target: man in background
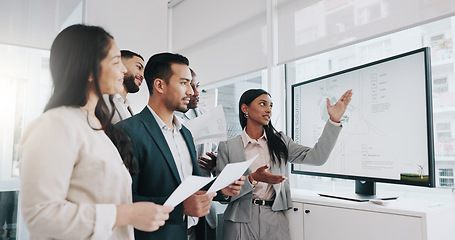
(134, 76)
(206, 162)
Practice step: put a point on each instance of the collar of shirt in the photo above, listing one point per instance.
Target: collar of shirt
(120, 98)
(162, 125)
(192, 113)
(181, 116)
(247, 139)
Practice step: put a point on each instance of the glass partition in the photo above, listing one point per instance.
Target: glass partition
(26, 88)
(28, 28)
(8, 214)
(228, 94)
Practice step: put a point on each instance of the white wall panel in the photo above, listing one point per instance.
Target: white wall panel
(35, 23)
(222, 39)
(309, 27)
(137, 25)
(229, 54)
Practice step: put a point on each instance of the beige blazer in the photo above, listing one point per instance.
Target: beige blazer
(72, 178)
(232, 151)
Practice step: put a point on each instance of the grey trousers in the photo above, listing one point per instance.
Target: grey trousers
(265, 225)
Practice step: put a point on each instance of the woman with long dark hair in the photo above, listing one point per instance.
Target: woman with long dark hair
(257, 212)
(75, 183)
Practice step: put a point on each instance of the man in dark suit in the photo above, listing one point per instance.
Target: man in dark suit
(165, 151)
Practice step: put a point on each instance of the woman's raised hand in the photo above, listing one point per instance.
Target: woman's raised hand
(336, 111)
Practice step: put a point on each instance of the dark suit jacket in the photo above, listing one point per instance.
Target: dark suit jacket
(158, 176)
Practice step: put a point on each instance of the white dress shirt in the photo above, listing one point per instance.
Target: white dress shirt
(179, 151)
(122, 108)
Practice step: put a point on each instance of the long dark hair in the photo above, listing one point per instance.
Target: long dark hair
(76, 55)
(277, 148)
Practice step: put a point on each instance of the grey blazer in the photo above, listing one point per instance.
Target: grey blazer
(232, 151)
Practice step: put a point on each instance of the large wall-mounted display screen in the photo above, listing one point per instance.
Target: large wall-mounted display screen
(387, 128)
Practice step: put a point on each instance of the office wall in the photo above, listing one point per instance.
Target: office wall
(135, 24)
(36, 23)
(222, 39)
(138, 25)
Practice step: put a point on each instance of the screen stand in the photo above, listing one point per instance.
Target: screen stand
(365, 188)
(364, 191)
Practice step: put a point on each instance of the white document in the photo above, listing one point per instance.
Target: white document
(190, 185)
(209, 127)
(230, 173)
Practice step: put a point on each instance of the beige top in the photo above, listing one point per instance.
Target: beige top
(258, 147)
(72, 178)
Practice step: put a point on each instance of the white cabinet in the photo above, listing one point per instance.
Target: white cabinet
(295, 218)
(345, 223)
(321, 218)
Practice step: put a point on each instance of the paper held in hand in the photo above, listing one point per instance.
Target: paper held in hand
(192, 184)
(230, 173)
(209, 127)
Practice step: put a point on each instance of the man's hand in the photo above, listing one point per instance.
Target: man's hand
(234, 188)
(262, 176)
(206, 163)
(336, 111)
(198, 204)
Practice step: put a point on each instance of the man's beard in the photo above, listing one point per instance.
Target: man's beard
(193, 104)
(173, 106)
(130, 85)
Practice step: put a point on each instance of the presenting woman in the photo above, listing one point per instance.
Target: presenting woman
(257, 212)
(75, 183)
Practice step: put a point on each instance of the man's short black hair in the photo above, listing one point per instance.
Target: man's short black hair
(129, 54)
(159, 66)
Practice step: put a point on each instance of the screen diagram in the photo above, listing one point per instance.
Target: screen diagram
(384, 131)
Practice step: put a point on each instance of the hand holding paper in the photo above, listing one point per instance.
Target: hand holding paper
(190, 185)
(207, 163)
(198, 204)
(234, 188)
(230, 173)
